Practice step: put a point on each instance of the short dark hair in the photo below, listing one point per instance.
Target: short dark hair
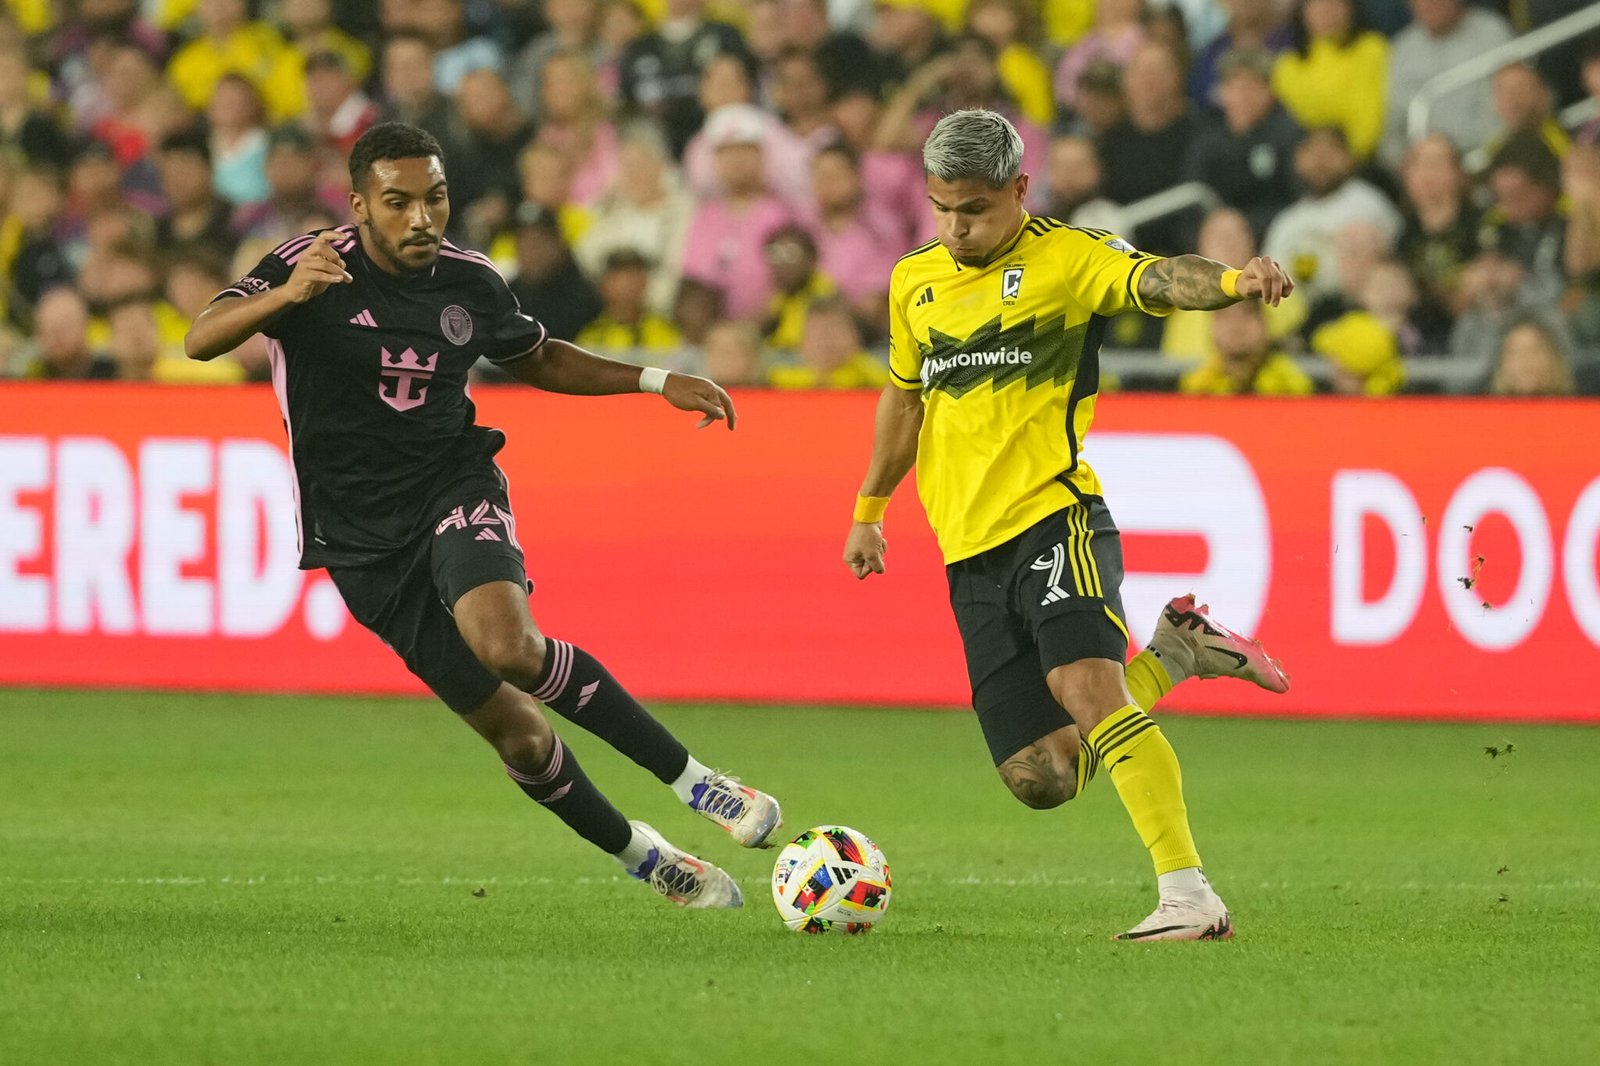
(389, 140)
(1527, 152)
(187, 142)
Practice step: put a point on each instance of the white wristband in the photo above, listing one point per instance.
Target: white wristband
(652, 379)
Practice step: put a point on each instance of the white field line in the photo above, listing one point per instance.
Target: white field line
(1036, 881)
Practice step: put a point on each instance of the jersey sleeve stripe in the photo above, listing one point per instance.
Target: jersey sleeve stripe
(294, 244)
(450, 251)
(231, 290)
(904, 382)
(544, 335)
(1133, 284)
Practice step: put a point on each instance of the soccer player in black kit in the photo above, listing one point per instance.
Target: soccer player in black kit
(372, 328)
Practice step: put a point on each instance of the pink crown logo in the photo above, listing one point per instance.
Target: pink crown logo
(410, 360)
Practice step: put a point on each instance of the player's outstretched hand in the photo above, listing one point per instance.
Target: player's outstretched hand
(689, 393)
(864, 549)
(1263, 279)
(318, 267)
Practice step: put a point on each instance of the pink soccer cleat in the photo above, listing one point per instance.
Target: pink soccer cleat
(1190, 636)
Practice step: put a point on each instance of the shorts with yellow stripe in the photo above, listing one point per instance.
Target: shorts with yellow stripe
(1048, 597)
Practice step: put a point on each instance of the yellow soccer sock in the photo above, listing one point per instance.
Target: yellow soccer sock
(1145, 771)
(1148, 679)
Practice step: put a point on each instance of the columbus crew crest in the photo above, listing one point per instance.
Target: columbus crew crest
(456, 324)
(1010, 285)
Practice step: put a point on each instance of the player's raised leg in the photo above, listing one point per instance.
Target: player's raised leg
(494, 620)
(548, 772)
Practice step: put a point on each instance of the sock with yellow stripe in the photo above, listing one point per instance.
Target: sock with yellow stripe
(1149, 679)
(1145, 771)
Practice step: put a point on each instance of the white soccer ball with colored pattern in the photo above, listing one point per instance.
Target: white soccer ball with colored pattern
(831, 879)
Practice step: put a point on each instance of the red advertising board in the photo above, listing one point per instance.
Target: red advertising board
(1413, 558)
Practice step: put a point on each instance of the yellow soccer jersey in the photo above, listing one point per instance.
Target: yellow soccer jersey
(1007, 359)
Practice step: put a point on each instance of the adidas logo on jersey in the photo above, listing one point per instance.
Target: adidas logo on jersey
(364, 319)
(926, 297)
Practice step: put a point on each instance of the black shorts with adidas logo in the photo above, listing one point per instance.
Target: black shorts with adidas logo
(406, 597)
(1047, 597)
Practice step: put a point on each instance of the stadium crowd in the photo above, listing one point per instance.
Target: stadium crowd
(725, 185)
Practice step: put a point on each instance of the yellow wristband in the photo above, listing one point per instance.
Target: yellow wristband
(871, 508)
(1230, 283)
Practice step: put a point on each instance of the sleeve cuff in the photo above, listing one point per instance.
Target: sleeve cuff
(1133, 288)
(909, 384)
(544, 335)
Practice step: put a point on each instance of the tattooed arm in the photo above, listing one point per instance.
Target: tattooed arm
(1194, 283)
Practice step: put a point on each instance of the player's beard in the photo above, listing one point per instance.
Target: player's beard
(393, 252)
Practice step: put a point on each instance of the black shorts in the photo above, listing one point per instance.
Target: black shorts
(1049, 596)
(406, 598)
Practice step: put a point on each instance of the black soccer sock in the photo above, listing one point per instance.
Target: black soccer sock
(563, 787)
(579, 689)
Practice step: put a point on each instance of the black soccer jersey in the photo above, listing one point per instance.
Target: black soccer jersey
(371, 378)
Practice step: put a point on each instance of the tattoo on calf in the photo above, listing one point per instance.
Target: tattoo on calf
(1032, 776)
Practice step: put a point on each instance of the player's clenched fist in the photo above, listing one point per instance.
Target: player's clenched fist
(864, 549)
(1263, 279)
(318, 267)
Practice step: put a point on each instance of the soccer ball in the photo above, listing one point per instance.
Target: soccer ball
(831, 878)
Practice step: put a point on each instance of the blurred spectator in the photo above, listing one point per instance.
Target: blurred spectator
(797, 285)
(1440, 234)
(137, 112)
(1169, 26)
(1363, 353)
(79, 44)
(1117, 34)
(891, 181)
(546, 176)
(32, 258)
(846, 60)
(1300, 237)
(1246, 361)
(548, 284)
(195, 213)
(1589, 132)
(292, 193)
(1143, 154)
(1390, 293)
(1073, 183)
(485, 167)
(309, 30)
(196, 275)
(831, 354)
(1493, 298)
(95, 184)
(577, 124)
(408, 90)
(696, 309)
(337, 111)
(238, 141)
(1009, 25)
(1580, 182)
(904, 35)
(856, 247)
(574, 27)
(1333, 73)
(963, 77)
(1247, 154)
(800, 96)
(1531, 363)
(661, 70)
(135, 342)
(1523, 104)
(646, 209)
(1225, 237)
(27, 132)
(61, 341)
(1253, 26)
(732, 355)
(728, 81)
(1527, 220)
(457, 52)
(229, 43)
(1101, 105)
(1443, 34)
(724, 244)
(626, 323)
(1358, 247)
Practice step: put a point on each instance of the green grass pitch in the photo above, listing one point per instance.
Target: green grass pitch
(264, 880)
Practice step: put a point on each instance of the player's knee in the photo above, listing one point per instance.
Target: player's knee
(517, 657)
(526, 747)
(1042, 793)
(1087, 691)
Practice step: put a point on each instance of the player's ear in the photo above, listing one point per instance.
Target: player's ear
(358, 207)
(1021, 188)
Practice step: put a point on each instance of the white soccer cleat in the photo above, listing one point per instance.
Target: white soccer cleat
(749, 816)
(682, 878)
(1190, 635)
(1184, 918)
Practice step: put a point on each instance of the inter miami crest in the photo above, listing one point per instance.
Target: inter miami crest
(1010, 285)
(456, 324)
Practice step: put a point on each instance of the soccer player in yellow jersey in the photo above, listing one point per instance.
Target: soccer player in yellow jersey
(995, 330)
